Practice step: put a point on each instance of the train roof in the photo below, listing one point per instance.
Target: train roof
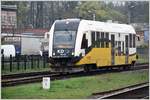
(109, 27)
(102, 26)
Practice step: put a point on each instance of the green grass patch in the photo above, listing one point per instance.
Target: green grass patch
(81, 87)
(143, 58)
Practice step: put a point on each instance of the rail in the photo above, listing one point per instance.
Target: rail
(137, 91)
(15, 79)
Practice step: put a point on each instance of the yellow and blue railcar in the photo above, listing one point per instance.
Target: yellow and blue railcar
(77, 42)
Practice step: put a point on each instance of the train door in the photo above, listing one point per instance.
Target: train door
(126, 49)
(84, 44)
(112, 49)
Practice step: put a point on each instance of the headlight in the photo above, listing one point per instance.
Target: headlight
(53, 53)
(72, 53)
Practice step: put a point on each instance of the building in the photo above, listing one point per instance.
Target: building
(8, 16)
(142, 33)
(139, 38)
(26, 41)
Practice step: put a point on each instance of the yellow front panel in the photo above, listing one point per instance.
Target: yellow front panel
(132, 58)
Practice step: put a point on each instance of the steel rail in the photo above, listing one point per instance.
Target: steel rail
(125, 92)
(16, 79)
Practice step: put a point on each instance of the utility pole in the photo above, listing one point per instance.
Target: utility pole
(93, 14)
(130, 7)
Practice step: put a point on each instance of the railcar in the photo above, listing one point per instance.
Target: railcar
(77, 43)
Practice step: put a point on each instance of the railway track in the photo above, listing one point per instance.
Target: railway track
(16, 79)
(138, 91)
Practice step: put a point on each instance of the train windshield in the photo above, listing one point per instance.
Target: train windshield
(64, 39)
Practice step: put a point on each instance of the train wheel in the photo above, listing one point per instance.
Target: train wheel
(132, 64)
(86, 68)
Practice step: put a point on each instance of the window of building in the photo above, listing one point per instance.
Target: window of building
(138, 38)
(9, 19)
(3, 19)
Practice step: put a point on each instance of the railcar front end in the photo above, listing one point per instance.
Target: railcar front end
(62, 46)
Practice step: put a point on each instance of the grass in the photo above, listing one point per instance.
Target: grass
(143, 58)
(76, 88)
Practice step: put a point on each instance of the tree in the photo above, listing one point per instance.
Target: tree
(101, 11)
(138, 11)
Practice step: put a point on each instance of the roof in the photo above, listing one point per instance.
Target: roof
(9, 7)
(38, 32)
(109, 27)
(35, 32)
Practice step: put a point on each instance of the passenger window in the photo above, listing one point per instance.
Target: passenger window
(102, 40)
(112, 41)
(134, 40)
(2, 51)
(102, 35)
(98, 39)
(138, 38)
(126, 41)
(116, 44)
(130, 40)
(93, 38)
(119, 48)
(107, 40)
(123, 47)
(118, 34)
(84, 44)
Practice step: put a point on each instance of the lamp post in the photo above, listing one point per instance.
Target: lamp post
(93, 14)
(130, 7)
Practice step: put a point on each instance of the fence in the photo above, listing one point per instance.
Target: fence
(22, 63)
(143, 55)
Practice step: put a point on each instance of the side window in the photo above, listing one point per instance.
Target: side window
(123, 47)
(112, 41)
(118, 34)
(130, 40)
(102, 40)
(107, 40)
(98, 39)
(116, 44)
(93, 38)
(134, 40)
(2, 51)
(119, 48)
(126, 41)
(138, 38)
(84, 44)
